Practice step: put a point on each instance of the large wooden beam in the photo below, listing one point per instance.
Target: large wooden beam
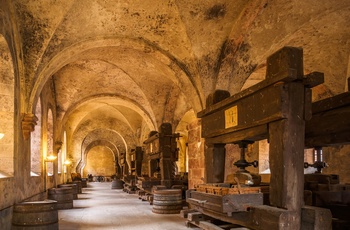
(214, 163)
(287, 154)
(330, 122)
(265, 217)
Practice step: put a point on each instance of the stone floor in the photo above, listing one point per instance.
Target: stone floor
(100, 207)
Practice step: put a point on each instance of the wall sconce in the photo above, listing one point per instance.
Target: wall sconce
(1, 135)
(50, 158)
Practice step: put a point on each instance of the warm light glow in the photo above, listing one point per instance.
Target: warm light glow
(67, 162)
(2, 135)
(50, 158)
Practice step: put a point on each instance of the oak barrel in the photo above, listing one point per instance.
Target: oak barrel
(63, 196)
(167, 201)
(38, 215)
(74, 188)
(79, 186)
(84, 182)
(117, 184)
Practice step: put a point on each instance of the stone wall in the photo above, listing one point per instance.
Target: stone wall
(337, 158)
(100, 162)
(195, 155)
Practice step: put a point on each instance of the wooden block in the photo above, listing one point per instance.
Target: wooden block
(314, 218)
(208, 226)
(313, 79)
(286, 61)
(195, 216)
(184, 213)
(216, 97)
(267, 217)
(307, 197)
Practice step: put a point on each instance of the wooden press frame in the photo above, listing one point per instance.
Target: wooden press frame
(275, 109)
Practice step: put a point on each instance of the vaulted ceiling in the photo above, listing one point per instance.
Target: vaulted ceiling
(130, 65)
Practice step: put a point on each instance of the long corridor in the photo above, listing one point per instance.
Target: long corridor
(100, 207)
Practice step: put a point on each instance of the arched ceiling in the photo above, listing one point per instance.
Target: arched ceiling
(139, 63)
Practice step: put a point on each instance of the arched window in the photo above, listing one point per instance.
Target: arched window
(59, 161)
(50, 140)
(65, 159)
(7, 102)
(35, 141)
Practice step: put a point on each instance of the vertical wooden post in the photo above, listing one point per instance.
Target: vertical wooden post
(152, 166)
(287, 136)
(215, 153)
(139, 158)
(166, 164)
(287, 153)
(214, 163)
(118, 169)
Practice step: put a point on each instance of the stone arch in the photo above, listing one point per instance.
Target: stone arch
(7, 110)
(106, 143)
(149, 118)
(50, 140)
(184, 77)
(182, 128)
(323, 46)
(109, 138)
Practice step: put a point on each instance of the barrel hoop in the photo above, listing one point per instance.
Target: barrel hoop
(38, 211)
(178, 206)
(61, 198)
(167, 192)
(167, 204)
(168, 197)
(62, 190)
(65, 201)
(32, 208)
(166, 211)
(40, 223)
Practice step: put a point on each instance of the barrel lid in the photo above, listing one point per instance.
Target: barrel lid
(60, 190)
(67, 185)
(47, 201)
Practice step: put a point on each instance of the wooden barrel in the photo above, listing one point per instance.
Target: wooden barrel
(63, 196)
(117, 184)
(167, 201)
(38, 215)
(84, 182)
(74, 188)
(78, 183)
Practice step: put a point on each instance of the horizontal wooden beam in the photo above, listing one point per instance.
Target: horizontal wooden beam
(330, 122)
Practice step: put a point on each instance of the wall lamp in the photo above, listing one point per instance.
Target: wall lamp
(1, 135)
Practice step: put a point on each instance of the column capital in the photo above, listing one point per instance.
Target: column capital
(28, 123)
